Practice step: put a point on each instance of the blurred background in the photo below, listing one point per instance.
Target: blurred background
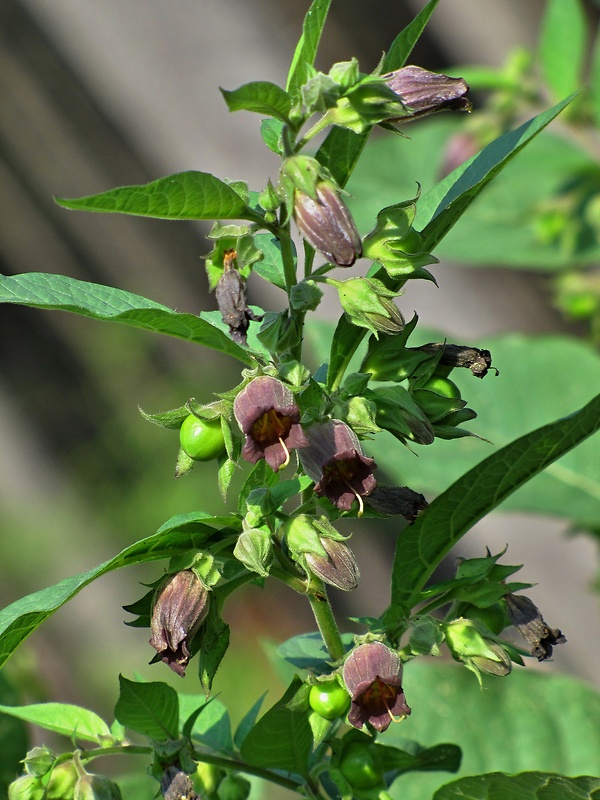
(95, 95)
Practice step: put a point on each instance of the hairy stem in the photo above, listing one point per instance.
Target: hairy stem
(321, 608)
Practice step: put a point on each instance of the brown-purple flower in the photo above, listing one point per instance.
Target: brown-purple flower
(180, 608)
(267, 414)
(424, 92)
(334, 460)
(373, 676)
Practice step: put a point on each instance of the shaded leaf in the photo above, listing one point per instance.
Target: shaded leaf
(527, 786)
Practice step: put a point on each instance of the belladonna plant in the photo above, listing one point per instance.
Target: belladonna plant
(295, 441)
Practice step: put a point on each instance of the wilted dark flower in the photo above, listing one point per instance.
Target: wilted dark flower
(231, 299)
(179, 610)
(373, 676)
(424, 92)
(267, 414)
(458, 355)
(334, 460)
(527, 618)
(176, 784)
(397, 500)
(338, 568)
(327, 225)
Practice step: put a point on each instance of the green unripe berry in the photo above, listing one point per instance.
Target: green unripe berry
(202, 439)
(329, 699)
(443, 386)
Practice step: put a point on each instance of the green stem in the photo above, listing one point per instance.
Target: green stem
(321, 608)
(312, 132)
(287, 256)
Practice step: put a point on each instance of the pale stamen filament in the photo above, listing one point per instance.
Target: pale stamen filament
(287, 454)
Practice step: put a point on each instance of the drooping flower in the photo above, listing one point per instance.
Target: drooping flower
(180, 608)
(373, 676)
(424, 92)
(270, 419)
(335, 461)
(528, 620)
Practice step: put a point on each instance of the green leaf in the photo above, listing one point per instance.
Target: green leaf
(151, 709)
(270, 267)
(186, 195)
(247, 722)
(563, 46)
(442, 206)
(526, 721)
(282, 738)
(308, 651)
(271, 130)
(527, 786)
(214, 641)
(403, 44)
(14, 737)
(263, 97)
(211, 725)
(594, 78)
(68, 720)
(58, 292)
(424, 543)
(344, 342)
(306, 49)
(340, 152)
(22, 617)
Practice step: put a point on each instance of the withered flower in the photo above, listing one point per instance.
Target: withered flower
(458, 355)
(176, 784)
(231, 299)
(180, 608)
(373, 676)
(397, 500)
(267, 414)
(528, 620)
(334, 460)
(424, 92)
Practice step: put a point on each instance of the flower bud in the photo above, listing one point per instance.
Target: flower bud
(338, 568)
(319, 211)
(368, 304)
(254, 548)
(423, 92)
(96, 787)
(478, 652)
(26, 787)
(180, 608)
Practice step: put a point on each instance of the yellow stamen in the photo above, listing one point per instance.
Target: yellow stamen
(287, 454)
(361, 505)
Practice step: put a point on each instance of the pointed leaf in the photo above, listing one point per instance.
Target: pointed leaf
(186, 195)
(206, 721)
(424, 543)
(443, 205)
(403, 44)
(340, 151)
(563, 45)
(151, 709)
(58, 292)
(306, 49)
(282, 738)
(247, 722)
(262, 97)
(22, 617)
(526, 786)
(68, 720)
